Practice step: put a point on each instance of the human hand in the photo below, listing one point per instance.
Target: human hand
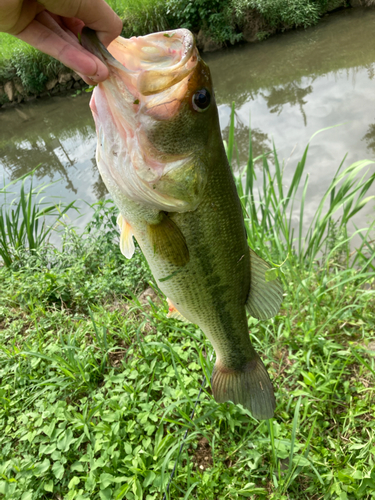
(52, 26)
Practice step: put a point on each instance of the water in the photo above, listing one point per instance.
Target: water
(293, 85)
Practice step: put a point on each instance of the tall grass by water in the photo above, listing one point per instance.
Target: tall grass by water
(97, 385)
(269, 212)
(23, 224)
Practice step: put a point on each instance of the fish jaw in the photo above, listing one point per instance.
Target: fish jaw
(145, 95)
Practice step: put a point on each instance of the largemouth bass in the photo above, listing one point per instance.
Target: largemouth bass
(161, 156)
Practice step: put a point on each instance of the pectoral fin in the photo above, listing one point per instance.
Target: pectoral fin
(126, 238)
(264, 297)
(168, 241)
(173, 313)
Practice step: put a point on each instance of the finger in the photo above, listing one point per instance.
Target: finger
(96, 14)
(73, 24)
(17, 14)
(99, 16)
(46, 40)
(87, 80)
(55, 23)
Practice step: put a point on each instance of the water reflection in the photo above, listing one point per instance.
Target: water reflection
(370, 138)
(58, 135)
(261, 143)
(290, 94)
(48, 152)
(341, 41)
(98, 187)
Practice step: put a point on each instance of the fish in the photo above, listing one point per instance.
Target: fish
(161, 156)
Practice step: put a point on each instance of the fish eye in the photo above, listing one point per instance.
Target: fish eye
(201, 100)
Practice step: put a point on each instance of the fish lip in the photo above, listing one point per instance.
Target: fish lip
(91, 42)
(188, 42)
(173, 65)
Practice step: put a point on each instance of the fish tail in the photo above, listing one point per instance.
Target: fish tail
(250, 386)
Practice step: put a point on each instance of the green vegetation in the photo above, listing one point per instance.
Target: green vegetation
(33, 68)
(223, 21)
(281, 14)
(97, 385)
(23, 224)
(141, 17)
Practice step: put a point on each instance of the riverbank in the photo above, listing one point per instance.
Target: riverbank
(97, 385)
(26, 74)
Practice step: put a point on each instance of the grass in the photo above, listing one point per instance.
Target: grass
(97, 385)
(141, 17)
(23, 224)
(9, 44)
(33, 68)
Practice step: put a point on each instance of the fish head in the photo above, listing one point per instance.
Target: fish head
(154, 115)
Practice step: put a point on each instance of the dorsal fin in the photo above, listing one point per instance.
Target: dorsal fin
(126, 237)
(265, 297)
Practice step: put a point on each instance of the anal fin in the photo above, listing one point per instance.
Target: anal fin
(126, 238)
(265, 297)
(168, 241)
(174, 313)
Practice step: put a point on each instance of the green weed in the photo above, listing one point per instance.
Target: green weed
(269, 212)
(33, 68)
(23, 224)
(281, 14)
(141, 18)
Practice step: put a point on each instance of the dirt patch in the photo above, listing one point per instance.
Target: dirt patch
(355, 375)
(116, 357)
(149, 295)
(121, 306)
(202, 458)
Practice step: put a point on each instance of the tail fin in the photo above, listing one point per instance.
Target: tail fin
(251, 386)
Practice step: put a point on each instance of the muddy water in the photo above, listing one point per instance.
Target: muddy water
(292, 85)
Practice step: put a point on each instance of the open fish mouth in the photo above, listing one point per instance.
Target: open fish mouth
(149, 64)
(149, 84)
